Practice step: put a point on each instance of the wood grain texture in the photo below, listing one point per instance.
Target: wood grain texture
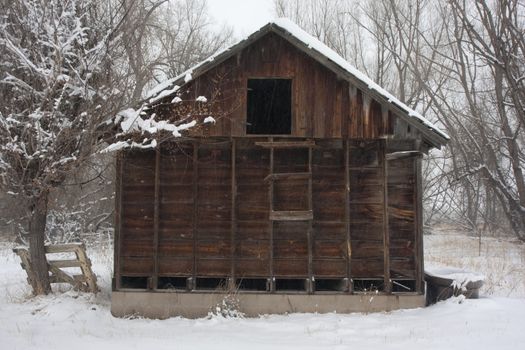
(323, 105)
(214, 212)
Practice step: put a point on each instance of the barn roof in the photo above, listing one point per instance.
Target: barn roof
(321, 53)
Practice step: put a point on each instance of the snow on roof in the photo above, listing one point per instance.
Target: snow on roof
(313, 44)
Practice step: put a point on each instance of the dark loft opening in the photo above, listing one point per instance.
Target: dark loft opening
(269, 106)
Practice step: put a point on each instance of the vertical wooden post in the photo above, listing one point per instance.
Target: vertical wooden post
(85, 267)
(118, 219)
(418, 254)
(309, 237)
(156, 208)
(347, 217)
(233, 212)
(195, 210)
(386, 233)
(270, 197)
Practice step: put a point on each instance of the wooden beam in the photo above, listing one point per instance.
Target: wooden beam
(288, 176)
(386, 233)
(156, 207)
(418, 197)
(233, 211)
(286, 144)
(195, 184)
(118, 218)
(64, 248)
(64, 263)
(402, 154)
(291, 215)
(309, 238)
(270, 228)
(347, 218)
(87, 271)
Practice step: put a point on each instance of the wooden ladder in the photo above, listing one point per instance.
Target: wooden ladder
(86, 281)
(291, 215)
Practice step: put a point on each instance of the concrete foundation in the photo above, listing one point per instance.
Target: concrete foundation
(197, 304)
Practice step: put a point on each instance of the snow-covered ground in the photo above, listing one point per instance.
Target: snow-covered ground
(71, 320)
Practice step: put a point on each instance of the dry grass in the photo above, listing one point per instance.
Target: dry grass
(501, 260)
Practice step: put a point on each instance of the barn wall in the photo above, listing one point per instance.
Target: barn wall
(200, 211)
(323, 105)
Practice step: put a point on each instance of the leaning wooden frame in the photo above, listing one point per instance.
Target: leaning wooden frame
(86, 281)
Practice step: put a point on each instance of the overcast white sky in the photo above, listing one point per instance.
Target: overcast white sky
(245, 16)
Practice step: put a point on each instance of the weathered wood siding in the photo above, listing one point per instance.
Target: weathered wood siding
(402, 220)
(323, 105)
(367, 214)
(206, 213)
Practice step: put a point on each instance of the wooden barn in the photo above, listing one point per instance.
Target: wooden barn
(304, 196)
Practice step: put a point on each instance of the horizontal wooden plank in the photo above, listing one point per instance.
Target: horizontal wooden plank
(366, 212)
(332, 230)
(64, 263)
(213, 267)
(407, 215)
(329, 210)
(404, 154)
(367, 249)
(291, 215)
(329, 268)
(366, 194)
(58, 279)
(174, 232)
(255, 249)
(402, 267)
(286, 144)
(365, 177)
(176, 248)
(328, 157)
(256, 230)
(207, 213)
(367, 268)
(288, 176)
(137, 210)
(179, 211)
(213, 248)
(138, 194)
(137, 248)
(176, 193)
(401, 229)
(290, 230)
(136, 265)
(402, 248)
(174, 266)
(290, 267)
(329, 249)
(214, 231)
(64, 248)
(252, 267)
(290, 249)
(253, 213)
(130, 223)
(366, 230)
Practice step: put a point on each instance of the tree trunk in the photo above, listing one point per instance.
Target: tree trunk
(37, 226)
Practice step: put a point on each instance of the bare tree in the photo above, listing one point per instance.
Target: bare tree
(54, 92)
(161, 39)
(487, 63)
(459, 62)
